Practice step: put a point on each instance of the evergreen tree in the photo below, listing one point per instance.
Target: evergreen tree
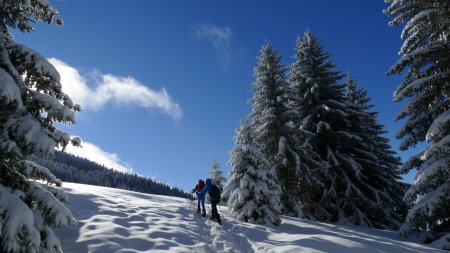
(343, 196)
(425, 55)
(272, 126)
(216, 175)
(265, 130)
(379, 163)
(252, 189)
(31, 100)
(314, 120)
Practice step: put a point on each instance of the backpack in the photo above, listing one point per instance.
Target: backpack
(215, 192)
(200, 185)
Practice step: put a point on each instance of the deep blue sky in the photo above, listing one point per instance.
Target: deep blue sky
(155, 43)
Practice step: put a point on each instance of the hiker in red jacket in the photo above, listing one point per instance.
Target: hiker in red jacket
(200, 198)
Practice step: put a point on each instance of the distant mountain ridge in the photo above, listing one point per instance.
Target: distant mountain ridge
(70, 168)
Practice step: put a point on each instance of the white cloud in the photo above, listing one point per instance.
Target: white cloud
(94, 153)
(110, 88)
(220, 39)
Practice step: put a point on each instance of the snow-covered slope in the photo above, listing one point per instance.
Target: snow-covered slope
(113, 220)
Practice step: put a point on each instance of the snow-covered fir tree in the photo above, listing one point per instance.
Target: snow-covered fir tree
(252, 189)
(216, 175)
(269, 120)
(265, 131)
(342, 196)
(425, 55)
(315, 116)
(379, 163)
(31, 100)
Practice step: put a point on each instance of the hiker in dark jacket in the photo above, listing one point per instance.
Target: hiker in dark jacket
(214, 196)
(198, 188)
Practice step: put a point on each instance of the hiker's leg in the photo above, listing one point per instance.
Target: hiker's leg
(213, 211)
(203, 207)
(198, 205)
(215, 214)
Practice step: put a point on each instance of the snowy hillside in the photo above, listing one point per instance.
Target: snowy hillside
(113, 220)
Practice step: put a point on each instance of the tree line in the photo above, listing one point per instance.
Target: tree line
(70, 168)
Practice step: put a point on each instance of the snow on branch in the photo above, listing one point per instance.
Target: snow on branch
(17, 233)
(416, 54)
(29, 132)
(430, 169)
(53, 211)
(438, 124)
(8, 89)
(412, 23)
(425, 206)
(7, 145)
(35, 171)
(55, 110)
(41, 66)
(417, 85)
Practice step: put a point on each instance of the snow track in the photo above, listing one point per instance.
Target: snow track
(217, 238)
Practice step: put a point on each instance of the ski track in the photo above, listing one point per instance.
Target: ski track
(113, 220)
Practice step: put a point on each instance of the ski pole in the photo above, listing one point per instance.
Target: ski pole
(192, 201)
